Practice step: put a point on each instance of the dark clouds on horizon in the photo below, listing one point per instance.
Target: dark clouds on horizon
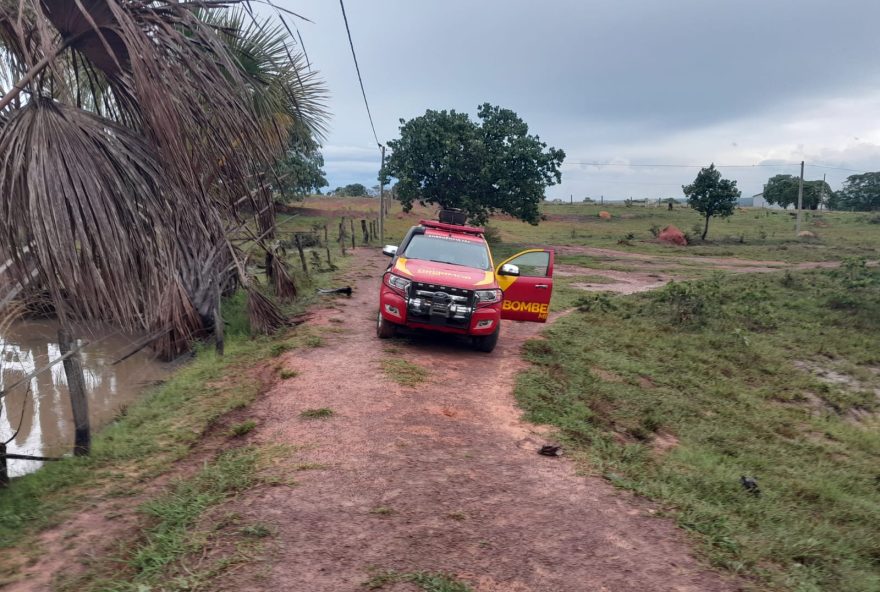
(629, 81)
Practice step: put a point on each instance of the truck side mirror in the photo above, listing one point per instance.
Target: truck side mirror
(390, 250)
(509, 269)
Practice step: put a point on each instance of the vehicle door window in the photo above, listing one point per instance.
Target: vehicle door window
(533, 264)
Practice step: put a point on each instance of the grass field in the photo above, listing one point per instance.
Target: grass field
(677, 393)
(767, 235)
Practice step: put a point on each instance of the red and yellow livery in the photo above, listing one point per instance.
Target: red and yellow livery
(442, 278)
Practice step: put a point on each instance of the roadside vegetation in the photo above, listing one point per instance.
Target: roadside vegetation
(207, 398)
(679, 393)
(423, 580)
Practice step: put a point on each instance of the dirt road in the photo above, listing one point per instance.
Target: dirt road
(442, 476)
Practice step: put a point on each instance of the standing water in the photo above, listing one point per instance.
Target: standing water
(36, 415)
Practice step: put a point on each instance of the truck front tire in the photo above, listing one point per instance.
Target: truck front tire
(384, 329)
(487, 343)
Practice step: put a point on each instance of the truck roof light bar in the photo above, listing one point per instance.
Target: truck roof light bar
(452, 227)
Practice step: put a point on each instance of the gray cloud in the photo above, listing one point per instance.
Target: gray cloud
(683, 81)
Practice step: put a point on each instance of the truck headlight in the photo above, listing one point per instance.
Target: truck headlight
(397, 283)
(488, 296)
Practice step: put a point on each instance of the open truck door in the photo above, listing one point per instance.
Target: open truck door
(527, 282)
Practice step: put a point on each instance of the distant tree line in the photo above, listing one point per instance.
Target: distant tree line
(859, 192)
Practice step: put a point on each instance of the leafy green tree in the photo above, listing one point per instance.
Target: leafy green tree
(445, 158)
(782, 190)
(711, 195)
(352, 190)
(859, 192)
(300, 173)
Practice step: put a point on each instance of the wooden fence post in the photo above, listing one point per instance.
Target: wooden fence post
(219, 343)
(76, 386)
(302, 256)
(351, 223)
(342, 234)
(365, 231)
(4, 472)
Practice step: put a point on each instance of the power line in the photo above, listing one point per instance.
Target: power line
(680, 166)
(358, 69)
(828, 166)
(696, 166)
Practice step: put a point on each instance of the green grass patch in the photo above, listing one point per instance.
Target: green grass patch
(167, 552)
(171, 536)
(313, 341)
(243, 428)
(404, 372)
(321, 413)
(286, 374)
(257, 531)
(425, 580)
(713, 363)
(382, 511)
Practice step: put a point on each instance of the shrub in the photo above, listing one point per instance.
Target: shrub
(599, 302)
(690, 303)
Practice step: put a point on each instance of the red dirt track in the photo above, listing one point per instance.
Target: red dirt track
(443, 476)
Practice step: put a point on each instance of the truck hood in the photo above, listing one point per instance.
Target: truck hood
(444, 274)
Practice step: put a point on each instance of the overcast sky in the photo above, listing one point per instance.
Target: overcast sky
(623, 81)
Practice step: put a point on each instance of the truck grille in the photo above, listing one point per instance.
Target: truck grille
(440, 305)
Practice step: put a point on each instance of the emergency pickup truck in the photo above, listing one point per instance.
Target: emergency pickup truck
(442, 278)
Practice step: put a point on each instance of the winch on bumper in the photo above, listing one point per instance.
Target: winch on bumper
(436, 307)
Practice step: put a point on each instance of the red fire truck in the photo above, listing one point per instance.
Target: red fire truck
(442, 278)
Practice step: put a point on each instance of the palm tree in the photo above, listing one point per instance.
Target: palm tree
(130, 137)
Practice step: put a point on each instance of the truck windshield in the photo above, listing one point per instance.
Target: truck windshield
(448, 250)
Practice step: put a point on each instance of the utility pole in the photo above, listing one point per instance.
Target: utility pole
(797, 229)
(822, 197)
(382, 200)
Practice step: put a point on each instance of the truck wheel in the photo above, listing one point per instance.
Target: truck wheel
(384, 329)
(487, 343)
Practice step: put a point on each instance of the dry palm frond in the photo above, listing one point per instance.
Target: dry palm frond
(264, 316)
(8, 315)
(144, 124)
(285, 287)
(87, 197)
(180, 321)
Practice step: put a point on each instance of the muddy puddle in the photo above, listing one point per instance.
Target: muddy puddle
(36, 415)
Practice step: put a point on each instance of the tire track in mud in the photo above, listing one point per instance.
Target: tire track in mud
(443, 476)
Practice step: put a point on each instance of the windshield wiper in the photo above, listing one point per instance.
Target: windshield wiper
(448, 263)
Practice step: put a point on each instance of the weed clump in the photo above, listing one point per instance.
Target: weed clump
(404, 372)
(243, 428)
(691, 303)
(425, 580)
(321, 413)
